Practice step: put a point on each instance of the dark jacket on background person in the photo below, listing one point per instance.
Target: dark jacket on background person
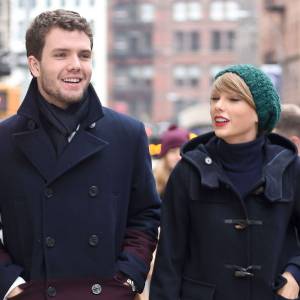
(216, 245)
(72, 222)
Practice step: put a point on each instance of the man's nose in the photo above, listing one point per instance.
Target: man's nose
(74, 63)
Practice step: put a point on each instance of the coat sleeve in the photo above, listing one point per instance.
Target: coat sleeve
(295, 259)
(143, 218)
(9, 272)
(172, 246)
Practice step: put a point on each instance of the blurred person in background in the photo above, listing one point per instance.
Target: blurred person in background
(171, 141)
(79, 208)
(289, 123)
(232, 203)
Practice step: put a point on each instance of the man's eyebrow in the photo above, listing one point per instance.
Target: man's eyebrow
(67, 49)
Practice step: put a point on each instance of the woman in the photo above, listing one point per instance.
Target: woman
(231, 209)
(171, 141)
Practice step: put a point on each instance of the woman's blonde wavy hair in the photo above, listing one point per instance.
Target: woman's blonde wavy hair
(231, 82)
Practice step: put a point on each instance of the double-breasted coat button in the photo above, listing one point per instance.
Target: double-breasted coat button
(93, 125)
(93, 191)
(96, 289)
(51, 291)
(208, 160)
(93, 240)
(48, 193)
(50, 242)
(31, 125)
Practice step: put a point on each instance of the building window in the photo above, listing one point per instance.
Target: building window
(230, 40)
(223, 40)
(216, 40)
(133, 76)
(138, 42)
(194, 75)
(146, 12)
(21, 31)
(121, 12)
(194, 11)
(140, 75)
(147, 73)
(179, 41)
(146, 45)
(186, 75)
(121, 77)
(121, 43)
(224, 10)
(133, 43)
(195, 41)
(186, 41)
(232, 11)
(187, 11)
(30, 3)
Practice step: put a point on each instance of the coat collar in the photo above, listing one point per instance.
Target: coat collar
(30, 109)
(35, 143)
(279, 153)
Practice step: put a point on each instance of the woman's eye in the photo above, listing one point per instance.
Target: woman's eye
(234, 99)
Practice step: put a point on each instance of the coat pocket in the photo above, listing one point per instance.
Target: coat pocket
(196, 290)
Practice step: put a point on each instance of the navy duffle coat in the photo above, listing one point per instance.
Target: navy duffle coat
(214, 245)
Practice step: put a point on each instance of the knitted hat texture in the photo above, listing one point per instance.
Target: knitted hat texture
(264, 94)
(172, 138)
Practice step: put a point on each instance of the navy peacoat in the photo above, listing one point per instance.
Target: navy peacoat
(71, 223)
(215, 245)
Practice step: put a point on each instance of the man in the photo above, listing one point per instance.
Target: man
(79, 209)
(289, 123)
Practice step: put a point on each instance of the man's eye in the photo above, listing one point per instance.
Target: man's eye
(85, 56)
(59, 55)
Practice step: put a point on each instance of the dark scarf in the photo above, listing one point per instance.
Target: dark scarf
(242, 163)
(62, 124)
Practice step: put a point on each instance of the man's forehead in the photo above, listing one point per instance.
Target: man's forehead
(58, 38)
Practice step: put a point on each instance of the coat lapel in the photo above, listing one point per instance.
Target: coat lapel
(83, 145)
(38, 149)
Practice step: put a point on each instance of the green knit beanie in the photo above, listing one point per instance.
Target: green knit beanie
(266, 98)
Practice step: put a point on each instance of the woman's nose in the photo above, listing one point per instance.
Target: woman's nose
(220, 103)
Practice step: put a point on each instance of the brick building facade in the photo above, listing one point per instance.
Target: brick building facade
(163, 54)
(280, 43)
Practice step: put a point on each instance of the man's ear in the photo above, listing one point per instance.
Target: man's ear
(34, 66)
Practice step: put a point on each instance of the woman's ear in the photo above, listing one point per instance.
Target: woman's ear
(34, 66)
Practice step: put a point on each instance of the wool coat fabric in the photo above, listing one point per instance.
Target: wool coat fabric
(71, 223)
(215, 245)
